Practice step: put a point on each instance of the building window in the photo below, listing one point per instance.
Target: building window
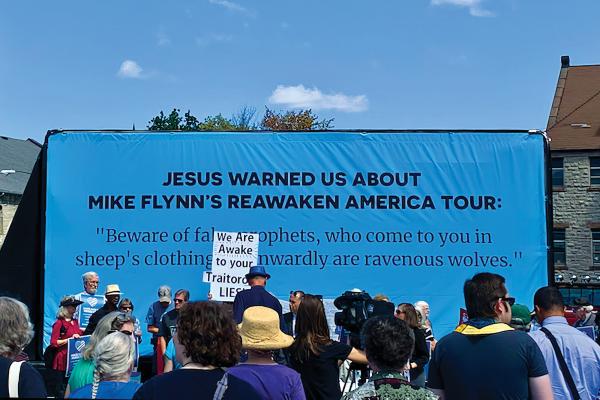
(594, 171)
(558, 244)
(596, 247)
(558, 172)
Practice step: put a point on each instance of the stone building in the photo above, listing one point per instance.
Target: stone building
(574, 130)
(17, 158)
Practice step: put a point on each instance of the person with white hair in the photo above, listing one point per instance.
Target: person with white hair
(91, 281)
(83, 372)
(114, 362)
(422, 308)
(16, 331)
(91, 301)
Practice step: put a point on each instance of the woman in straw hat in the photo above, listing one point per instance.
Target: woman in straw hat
(315, 356)
(261, 335)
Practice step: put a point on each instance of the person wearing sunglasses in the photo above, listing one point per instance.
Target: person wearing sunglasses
(420, 355)
(126, 306)
(168, 322)
(114, 359)
(485, 358)
(83, 372)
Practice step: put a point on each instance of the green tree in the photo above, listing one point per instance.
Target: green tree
(244, 120)
(174, 122)
(302, 120)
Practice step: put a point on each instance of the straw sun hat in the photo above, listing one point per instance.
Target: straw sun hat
(260, 330)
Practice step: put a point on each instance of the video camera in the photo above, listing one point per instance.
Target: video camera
(357, 307)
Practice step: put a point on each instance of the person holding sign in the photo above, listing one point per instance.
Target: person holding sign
(113, 365)
(64, 328)
(91, 301)
(83, 372)
(257, 295)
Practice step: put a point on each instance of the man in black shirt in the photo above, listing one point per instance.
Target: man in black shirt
(168, 322)
(112, 295)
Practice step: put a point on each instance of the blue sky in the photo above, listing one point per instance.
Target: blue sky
(402, 64)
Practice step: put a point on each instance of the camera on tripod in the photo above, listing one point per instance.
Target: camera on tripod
(357, 307)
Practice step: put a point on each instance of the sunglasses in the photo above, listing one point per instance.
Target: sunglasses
(398, 312)
(179, 301)
(125, 332)
(126, 308)
(510, 300)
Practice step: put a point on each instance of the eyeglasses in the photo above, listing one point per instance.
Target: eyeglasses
(93, 283)
(179, 301)
(509, 300)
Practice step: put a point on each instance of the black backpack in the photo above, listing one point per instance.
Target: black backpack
(51, 351)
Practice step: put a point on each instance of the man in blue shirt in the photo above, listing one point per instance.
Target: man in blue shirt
(257, 295)
(581, 354)
(153, 318)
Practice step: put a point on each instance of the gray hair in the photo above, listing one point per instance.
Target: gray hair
(421, 303)
(110, 322)
(90, 274)
(421, 315)
(113, 357)
(16, 329)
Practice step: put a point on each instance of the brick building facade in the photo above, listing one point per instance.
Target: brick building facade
(574, 130)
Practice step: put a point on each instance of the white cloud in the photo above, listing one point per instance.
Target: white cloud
(206, 40)
(130, 69)
(230, 5)
(301, 97)
(474, 6)
(162, 39)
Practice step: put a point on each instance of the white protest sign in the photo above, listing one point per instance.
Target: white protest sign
(233, 255)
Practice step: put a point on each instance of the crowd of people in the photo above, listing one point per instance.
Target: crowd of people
(252, 350)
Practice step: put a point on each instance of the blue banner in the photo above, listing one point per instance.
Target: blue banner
(409, 215)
